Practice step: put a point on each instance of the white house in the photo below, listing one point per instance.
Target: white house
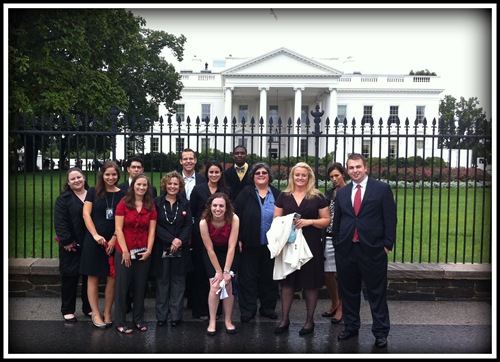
(289, 85)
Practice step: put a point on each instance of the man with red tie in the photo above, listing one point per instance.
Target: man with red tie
(363, 233)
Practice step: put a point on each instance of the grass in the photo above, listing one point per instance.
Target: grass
(434, 225)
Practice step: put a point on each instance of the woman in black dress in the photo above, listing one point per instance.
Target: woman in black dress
(303, 198)
(100, 239)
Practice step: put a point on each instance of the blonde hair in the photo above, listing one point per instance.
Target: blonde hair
(311, 190)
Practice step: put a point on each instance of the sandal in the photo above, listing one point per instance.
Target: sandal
(124, 330)
(141, 327)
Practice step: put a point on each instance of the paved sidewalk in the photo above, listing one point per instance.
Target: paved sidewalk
(434, 329)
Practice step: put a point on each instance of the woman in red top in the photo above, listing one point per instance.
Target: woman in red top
(135, 223)
(219, 227)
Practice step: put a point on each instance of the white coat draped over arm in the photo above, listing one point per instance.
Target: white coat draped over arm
(288, 256)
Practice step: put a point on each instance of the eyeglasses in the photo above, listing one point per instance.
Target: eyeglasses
(258, 173)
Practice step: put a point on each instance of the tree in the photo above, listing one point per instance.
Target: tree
(80, 62)
(464, 117)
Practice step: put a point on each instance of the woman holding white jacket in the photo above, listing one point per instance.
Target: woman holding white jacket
(303, 198)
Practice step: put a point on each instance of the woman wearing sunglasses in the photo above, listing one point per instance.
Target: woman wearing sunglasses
(255, 208)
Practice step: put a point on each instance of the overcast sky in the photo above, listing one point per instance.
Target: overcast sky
(455, 42)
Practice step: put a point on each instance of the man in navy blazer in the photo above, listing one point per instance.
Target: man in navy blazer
(362, 256)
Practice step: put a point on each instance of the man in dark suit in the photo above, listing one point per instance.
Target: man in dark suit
(362, 239)
(188, 162)
(236, 176)
(192, 178)
(135, 166)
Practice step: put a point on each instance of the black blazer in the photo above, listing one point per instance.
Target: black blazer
(68, 219)
(165, 233)
(233, 181)
(247, 207)
(376, 220)
(198, 179)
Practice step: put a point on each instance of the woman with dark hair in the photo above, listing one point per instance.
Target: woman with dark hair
(255, 208)
(219, 228)
(70, 232)
(198, 286)
(337, 175)
(135, 230)
(172, 259)
(100, 239)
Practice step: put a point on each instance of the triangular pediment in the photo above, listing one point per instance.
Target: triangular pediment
(282, 62)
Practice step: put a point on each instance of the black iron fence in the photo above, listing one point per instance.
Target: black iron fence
(441, 181)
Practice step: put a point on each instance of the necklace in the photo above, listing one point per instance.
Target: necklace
(175, 214)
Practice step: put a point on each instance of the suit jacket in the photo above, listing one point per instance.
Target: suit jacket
(234, 182)
(125, 185)
(198, 179)
(376, 220)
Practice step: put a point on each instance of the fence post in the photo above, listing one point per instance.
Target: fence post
(114, 115)
(317, 120)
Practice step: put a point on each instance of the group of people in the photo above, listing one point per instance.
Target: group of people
(208, 237)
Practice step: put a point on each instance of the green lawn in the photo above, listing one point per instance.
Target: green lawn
(439, 225)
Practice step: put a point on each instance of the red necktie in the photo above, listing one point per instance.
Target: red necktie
(357, 205)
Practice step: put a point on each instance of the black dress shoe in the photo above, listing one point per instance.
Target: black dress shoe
(211, 333)
(231, 330)
(282, 329)
(161, 323)
(71, 320)
(305, 331)
(270, 315)
(245, 318)
(346, 334)
(175, 323)
(380, 342)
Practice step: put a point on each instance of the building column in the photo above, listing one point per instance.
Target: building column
(297, 112)
(263, 104)
(228, 103)
(332, 105)
(332, 114)
(263, 113)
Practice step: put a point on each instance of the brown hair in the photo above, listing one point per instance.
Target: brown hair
(207, 213)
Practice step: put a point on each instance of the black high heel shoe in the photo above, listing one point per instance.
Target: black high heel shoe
(282, 329)
(100, 326)
(305, 330)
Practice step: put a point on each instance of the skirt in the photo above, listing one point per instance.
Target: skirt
(329, 256)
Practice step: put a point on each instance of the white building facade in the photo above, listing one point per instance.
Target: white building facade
(289, 85)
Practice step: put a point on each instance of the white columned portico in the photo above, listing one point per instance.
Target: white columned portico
(297, 112)
(228, 103)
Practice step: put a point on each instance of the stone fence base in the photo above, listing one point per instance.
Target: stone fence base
(407, 281)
